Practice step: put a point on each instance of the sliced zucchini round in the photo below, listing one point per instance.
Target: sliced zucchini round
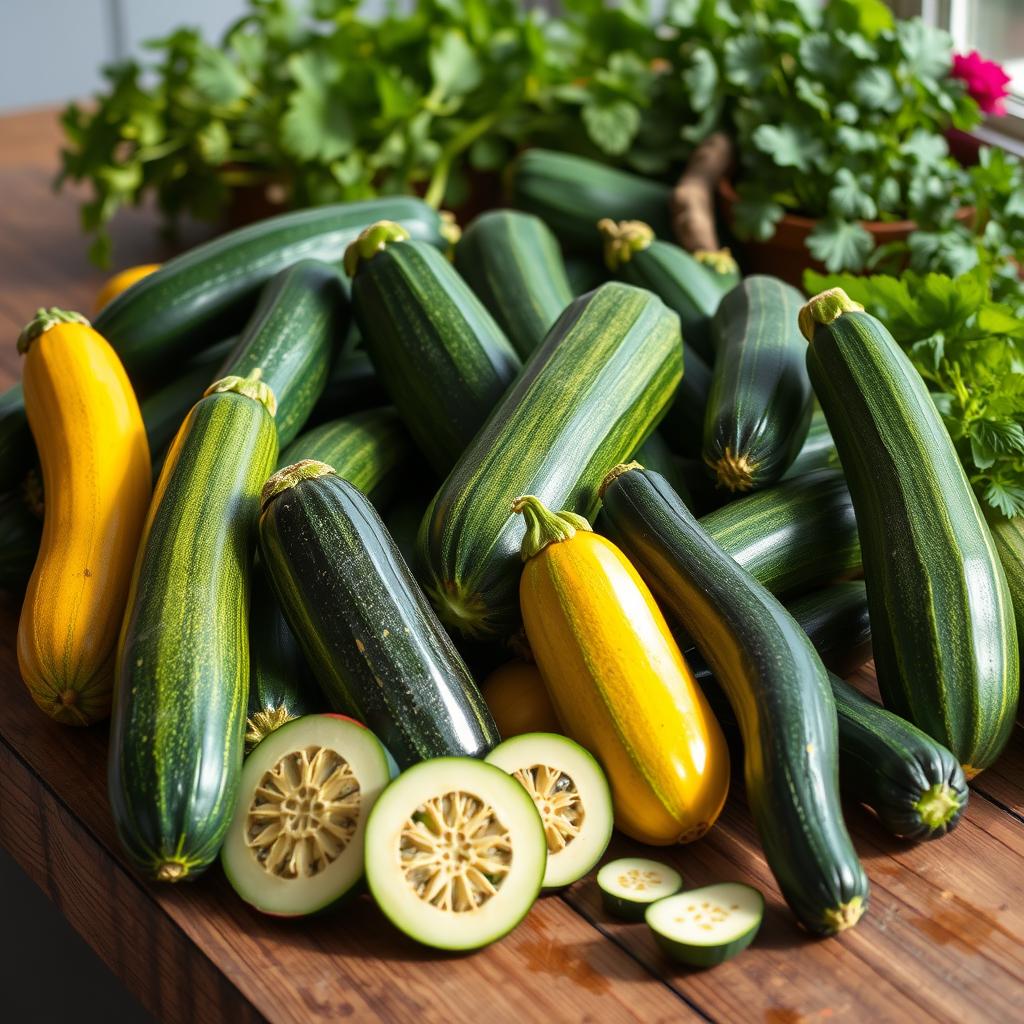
(295, 844)
(707, 926)
(455, 853)
(571, 795)
(630, 885)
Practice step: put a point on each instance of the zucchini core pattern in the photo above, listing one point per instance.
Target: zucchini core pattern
(304, 813)
(639, 880)
(455, 852)
(704, 914)
(558, 803)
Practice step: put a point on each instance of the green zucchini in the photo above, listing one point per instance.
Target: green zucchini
(760, 405)
(17, 449)
(208, 292)
(837, 621)
(371, 449)
(945, 641)
(589, 396)
(20, 532)
(281, 685)
(683, 425)
(655, 454)
(365, 627)
(513, 264)
(1008, 537)
(777, 686)
(584, 273)
(439, 353)
(691, 284)
(818, 451)
(352, 384)
(403, 517)
(290, 337)
(797, 535)
(182, 667)
(571, 194)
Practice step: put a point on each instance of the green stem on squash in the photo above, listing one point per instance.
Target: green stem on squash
(544, 527)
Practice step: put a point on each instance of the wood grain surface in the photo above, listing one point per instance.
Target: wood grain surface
(941, 940)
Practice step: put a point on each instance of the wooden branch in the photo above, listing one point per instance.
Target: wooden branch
(693, 199)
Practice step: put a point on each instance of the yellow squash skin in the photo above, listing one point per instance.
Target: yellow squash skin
(622, 689)
(97, 480)
(121, 282)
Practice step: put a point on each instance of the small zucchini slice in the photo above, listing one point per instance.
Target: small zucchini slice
(571, 795)
(707, 926)
(631, 884)
(295, 842)
(455, 853)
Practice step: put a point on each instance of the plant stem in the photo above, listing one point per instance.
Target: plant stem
(456, 145)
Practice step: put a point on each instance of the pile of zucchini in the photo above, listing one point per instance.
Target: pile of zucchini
(341, 466)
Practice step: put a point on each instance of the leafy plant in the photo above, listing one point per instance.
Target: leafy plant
(969, 348)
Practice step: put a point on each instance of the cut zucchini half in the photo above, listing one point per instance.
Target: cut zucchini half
(707, 926)
(571, 795)
(630, 885)
(295, 844)
(455, 853)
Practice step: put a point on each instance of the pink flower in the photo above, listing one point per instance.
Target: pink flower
(985, 79)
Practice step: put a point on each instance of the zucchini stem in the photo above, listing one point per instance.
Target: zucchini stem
(44, 319)
(251, 387)
(544, 527)
(623, 240)
(937, 806)
(284, 479)
(824, 308)
(614, 474)
(372, 240)
(846, 915)
(719, 261)
(734, 472)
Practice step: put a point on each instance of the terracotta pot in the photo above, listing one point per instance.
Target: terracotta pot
(785, 254)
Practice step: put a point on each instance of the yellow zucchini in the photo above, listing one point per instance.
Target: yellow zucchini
(618, 681)
(96, 477)
(121, 282)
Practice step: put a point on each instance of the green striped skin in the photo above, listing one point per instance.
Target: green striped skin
(760, 405)
(797, 535)
(366, 628)
(209, 291)
(182, 675)
(371, 449)
(776, 684)
(1008, 537)
(437, 350)
(584, 273)
(514, 265)
(837, 621)
(352, 384)
(587, 398)
(20, 533)
(945, 641)
(683, 425)
(291, 336)
(571, 194)
(655, 454)
(818, 451)
(17, 449)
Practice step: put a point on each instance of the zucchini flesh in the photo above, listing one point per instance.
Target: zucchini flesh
(588, 397)
(182, 671)
(944, 638)
(776, 685)
(514, 265)
(365, 627)
(760, 405)
(291, 337)
(630, 885)
(437, 350)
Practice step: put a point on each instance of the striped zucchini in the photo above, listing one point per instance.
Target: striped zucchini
(513, 264)
(571, 194)
(799, 534)
(371, 449)
(760, 405)
(691, 284)
(439, 353)
(366, 628)
(777, 686)
(944, 636)
(182, 675)
(290, 337)
(818, 451)
(591, 394)
(1008, 536)
(683, 425)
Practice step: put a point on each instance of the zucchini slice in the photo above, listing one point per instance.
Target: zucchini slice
(571, 795)
(707, 926)
(631, 884)
(295, 843)
(455, 853)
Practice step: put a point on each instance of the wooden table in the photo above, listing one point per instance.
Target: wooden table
(941, 940)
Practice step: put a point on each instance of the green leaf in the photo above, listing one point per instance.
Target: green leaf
(871, 17)
(453, 64)
(994, 318)
(1006, 497)
(813, 94)
(788, 145)
(876, 89)
(612, 126)
(888, 195)
(701, 78)
(217, 79)
(857, 44)
(840, 244)
(213, 141)
(928, 50)
(747, 60)
(817, 54)
(756, 218)
(857, 140)
(848, 197)
(317, 126)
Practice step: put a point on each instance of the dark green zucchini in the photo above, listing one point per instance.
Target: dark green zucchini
(683, 425)
(17, 449)
(776, 684)
(281, 685)
(760, 405)
(438, 352)
(352, 384)
(290, 337)
(655, 454)
(513, 264)
(692, 285)
(208, 292)
(571, 194)
(818, 451)
(837, 621)
(1008, 537)
(182, 667)
(944, 635)
(371, 449)
(365, 627)
(797, 535)
(588, 397)
(20, 531)
(584, 273)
